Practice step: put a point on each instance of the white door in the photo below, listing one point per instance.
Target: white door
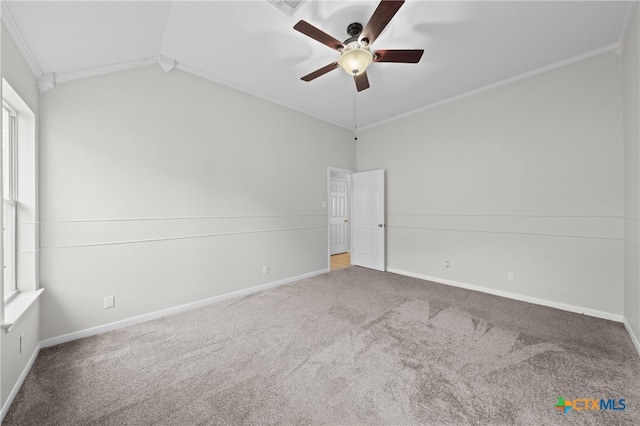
(367, 215)
(338, 216)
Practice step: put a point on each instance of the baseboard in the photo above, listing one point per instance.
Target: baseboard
(181, 308)
(19, 382)
(515, 296)
(633, 337)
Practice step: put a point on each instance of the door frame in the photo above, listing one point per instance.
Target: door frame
(328, 198)
(346, 181)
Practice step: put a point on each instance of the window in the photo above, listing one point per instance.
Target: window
(9, 197)
(19, 208)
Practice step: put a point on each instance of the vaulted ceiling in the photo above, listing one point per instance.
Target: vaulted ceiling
(252, 46)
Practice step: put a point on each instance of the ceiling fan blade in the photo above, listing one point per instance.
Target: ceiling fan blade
(362, 81)
(322, 71)
(404, 56)
(307, 29)
(380, 18)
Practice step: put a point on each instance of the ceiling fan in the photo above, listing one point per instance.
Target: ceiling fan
(355, 53)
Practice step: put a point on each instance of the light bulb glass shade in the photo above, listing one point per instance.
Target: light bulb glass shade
(355, 59)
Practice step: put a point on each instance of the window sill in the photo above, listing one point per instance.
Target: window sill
(15, 308)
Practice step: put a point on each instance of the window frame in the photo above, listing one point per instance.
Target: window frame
(9, 205)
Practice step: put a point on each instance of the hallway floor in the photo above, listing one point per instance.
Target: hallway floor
(340, 261)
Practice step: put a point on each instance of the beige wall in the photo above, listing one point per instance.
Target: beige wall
(524, 178)
(631, 109)
(166, 189)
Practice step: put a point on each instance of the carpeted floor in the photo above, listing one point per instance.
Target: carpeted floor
(351, 347)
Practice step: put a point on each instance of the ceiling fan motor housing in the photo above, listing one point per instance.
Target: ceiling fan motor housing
(354, 29)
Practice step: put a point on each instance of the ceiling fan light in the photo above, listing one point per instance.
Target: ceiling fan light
(355, 60)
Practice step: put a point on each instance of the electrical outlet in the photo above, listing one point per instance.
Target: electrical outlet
(447, 264)
(511, 276)
(265, 269)
(109, 302)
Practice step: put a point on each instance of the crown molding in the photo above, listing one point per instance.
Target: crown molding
(255, 93)
(23, 47)
(105, 69)
(46, 82)
(90, 72)
(160, 60)
(167, 64)
(578, 58)
(631, 7)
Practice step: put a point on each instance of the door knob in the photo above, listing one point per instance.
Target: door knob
(380, 225)
(345, 221)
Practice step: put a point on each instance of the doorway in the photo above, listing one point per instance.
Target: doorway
(356, 217)
(339, 206)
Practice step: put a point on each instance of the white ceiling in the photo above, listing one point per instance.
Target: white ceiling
(251, 46)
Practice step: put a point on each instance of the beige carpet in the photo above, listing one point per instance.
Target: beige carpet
(352, 347)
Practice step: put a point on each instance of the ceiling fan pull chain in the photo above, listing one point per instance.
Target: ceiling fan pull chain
(355, 113)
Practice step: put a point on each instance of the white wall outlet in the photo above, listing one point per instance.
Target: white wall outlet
(109, 302)
(447, 264)
(265, 269)
(324, 204)
(511, 276)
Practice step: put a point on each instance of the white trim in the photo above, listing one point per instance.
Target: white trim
(631, 7)
(180, 237)
(158, 314)
(514, 296)
(46, 82)
(535, 216)
(167, 64)
(340, 170)
(22, 45)
(105, 69)
(17, 307)
(27, 251)
(255, 93)
(606, 49)
(132, 219)
(633, 337)
(19, 382)
(493, 231)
